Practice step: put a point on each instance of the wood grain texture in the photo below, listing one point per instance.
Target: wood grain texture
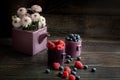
(104, 55)
(88, 26)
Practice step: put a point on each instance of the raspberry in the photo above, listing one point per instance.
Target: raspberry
(59, 47)
(56, 42)
(65, 74)
(50, 45)
(59, 42)
(78, 65)
(71, 77)
(67, 69)
(56, 65)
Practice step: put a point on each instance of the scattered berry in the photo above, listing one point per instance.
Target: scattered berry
(71, 59)
(79, 58)
(73, 72)
(75, 69)
(77, 77)
(65, 74)
(68, 61)
(67, 69)
(61, 68)
(68, 57)
(47, 71)
(60, 74)
(85, 67)
(93, 70)
(72, 77)
(78, 65)
(56, 65)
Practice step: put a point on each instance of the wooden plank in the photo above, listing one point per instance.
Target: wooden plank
(104, 55)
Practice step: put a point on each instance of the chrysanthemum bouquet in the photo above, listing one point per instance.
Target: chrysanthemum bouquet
(29, 18)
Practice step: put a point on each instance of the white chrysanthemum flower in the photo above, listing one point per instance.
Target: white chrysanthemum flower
(43, 20)
(26, 21)
(35, 17)
(16, 22)
(40, 24)
(36, 8)
(27, 14)
(21, 11)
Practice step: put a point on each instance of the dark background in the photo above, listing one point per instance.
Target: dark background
(89, 18)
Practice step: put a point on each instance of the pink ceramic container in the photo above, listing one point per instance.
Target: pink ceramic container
(73, 48)
(29, 42)
(56, 56)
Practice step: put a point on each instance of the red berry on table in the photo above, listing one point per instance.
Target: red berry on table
(78, 65)
(71, 77)
(65, 74)
(67, 69)
(56, 65)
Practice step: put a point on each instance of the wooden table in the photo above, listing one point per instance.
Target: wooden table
(104, 55)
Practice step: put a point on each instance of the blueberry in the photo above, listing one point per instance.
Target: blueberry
(60, 74)
(71, 35)
(78, 36)
(85, 67)
(71, 59)
(75, 69)
(78, 39)
(73, 72)
(75, 35)
(68, 57)
(77, 77)
(61, 68)
(47, 71)
(67, 38)
(79, 58)
(93, 70)
(74, 39)
(71, 39)
(68, 61)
